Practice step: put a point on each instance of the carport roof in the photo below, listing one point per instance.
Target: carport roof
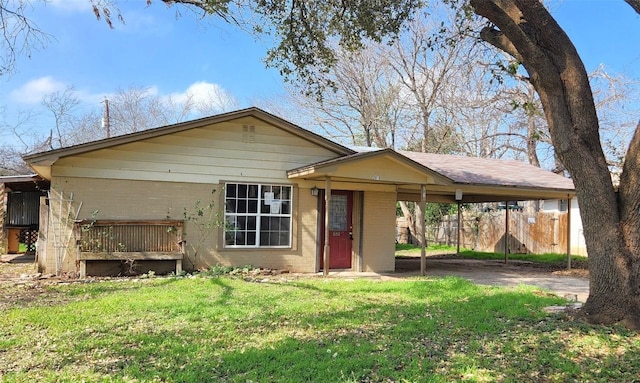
(28, 182)
(478, 179)
(488, 171)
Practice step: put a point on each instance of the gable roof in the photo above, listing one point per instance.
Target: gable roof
(385, 158)
(49, 157)
(445, 176)
(480, 179)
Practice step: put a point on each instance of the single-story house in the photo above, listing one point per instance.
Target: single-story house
(249, 188)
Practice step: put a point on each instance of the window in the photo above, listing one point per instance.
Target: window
(257, 215)
(563, 205)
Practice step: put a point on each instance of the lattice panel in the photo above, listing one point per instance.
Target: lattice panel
(29, 237)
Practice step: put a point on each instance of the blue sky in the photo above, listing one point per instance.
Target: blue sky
(172, 55)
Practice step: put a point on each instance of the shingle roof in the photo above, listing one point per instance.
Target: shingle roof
(486, 171)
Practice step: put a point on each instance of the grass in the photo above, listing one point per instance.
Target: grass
(432, 247)
(227, 329)
(406, 249)
(403, 249)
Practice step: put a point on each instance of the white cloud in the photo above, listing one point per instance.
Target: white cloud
(71, 5)
(206, 97)
(33, 91)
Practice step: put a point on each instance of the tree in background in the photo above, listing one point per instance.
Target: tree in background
(20, 35)
(11, 155)
(364, 106)
(130, 110)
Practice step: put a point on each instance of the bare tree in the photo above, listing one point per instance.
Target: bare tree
(365, 105)
(63, 106)
(134, 109)
(18, 139)
(19, 35)
(139, 108)
(614, 96)
(426, 67)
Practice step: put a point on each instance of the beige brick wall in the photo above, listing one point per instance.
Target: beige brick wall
(379, 232)
(153, 200)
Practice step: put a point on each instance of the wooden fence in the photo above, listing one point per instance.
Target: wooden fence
(537, 233)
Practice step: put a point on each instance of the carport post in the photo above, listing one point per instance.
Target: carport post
(423, 239)
(569, 233)
(327, 204)
(459, 222)
(506, 233)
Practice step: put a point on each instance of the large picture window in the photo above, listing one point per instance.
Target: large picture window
(257, 215)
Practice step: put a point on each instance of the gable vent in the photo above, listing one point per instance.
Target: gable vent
(248, 134)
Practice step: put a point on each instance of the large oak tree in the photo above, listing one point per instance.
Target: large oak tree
(525, 30)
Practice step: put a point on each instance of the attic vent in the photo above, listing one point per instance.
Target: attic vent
(248, 133)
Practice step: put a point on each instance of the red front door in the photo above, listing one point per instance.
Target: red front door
(340, 230)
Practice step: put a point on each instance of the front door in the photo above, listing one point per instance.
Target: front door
(340, 230)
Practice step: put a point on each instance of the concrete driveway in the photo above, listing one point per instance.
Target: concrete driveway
(497, 273)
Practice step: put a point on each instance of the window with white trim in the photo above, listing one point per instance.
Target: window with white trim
(257, 215)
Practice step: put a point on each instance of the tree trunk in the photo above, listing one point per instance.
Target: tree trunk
(532, 131)
(415, 237)
(529, 33)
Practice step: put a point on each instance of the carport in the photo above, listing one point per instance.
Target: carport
(426, 177)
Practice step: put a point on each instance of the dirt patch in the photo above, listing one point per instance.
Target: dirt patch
(21, 285)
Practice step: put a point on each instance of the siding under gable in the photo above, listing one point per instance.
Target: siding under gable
(225, 151)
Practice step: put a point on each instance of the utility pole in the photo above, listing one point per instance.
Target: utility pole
(106, 124)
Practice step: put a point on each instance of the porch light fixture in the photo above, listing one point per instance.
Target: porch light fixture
(314, 191)
(458, 195)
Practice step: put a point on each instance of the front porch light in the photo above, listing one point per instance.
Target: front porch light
(314, 191)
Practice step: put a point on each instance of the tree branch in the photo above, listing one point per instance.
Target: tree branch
(500, 41)
(635, 4)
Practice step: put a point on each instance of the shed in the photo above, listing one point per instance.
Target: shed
(20, 211)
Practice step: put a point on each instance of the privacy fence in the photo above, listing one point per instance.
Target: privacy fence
(535, 233)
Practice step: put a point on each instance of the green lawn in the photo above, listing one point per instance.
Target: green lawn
(225, 329)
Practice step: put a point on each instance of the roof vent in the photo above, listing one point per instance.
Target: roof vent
(248, 134)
